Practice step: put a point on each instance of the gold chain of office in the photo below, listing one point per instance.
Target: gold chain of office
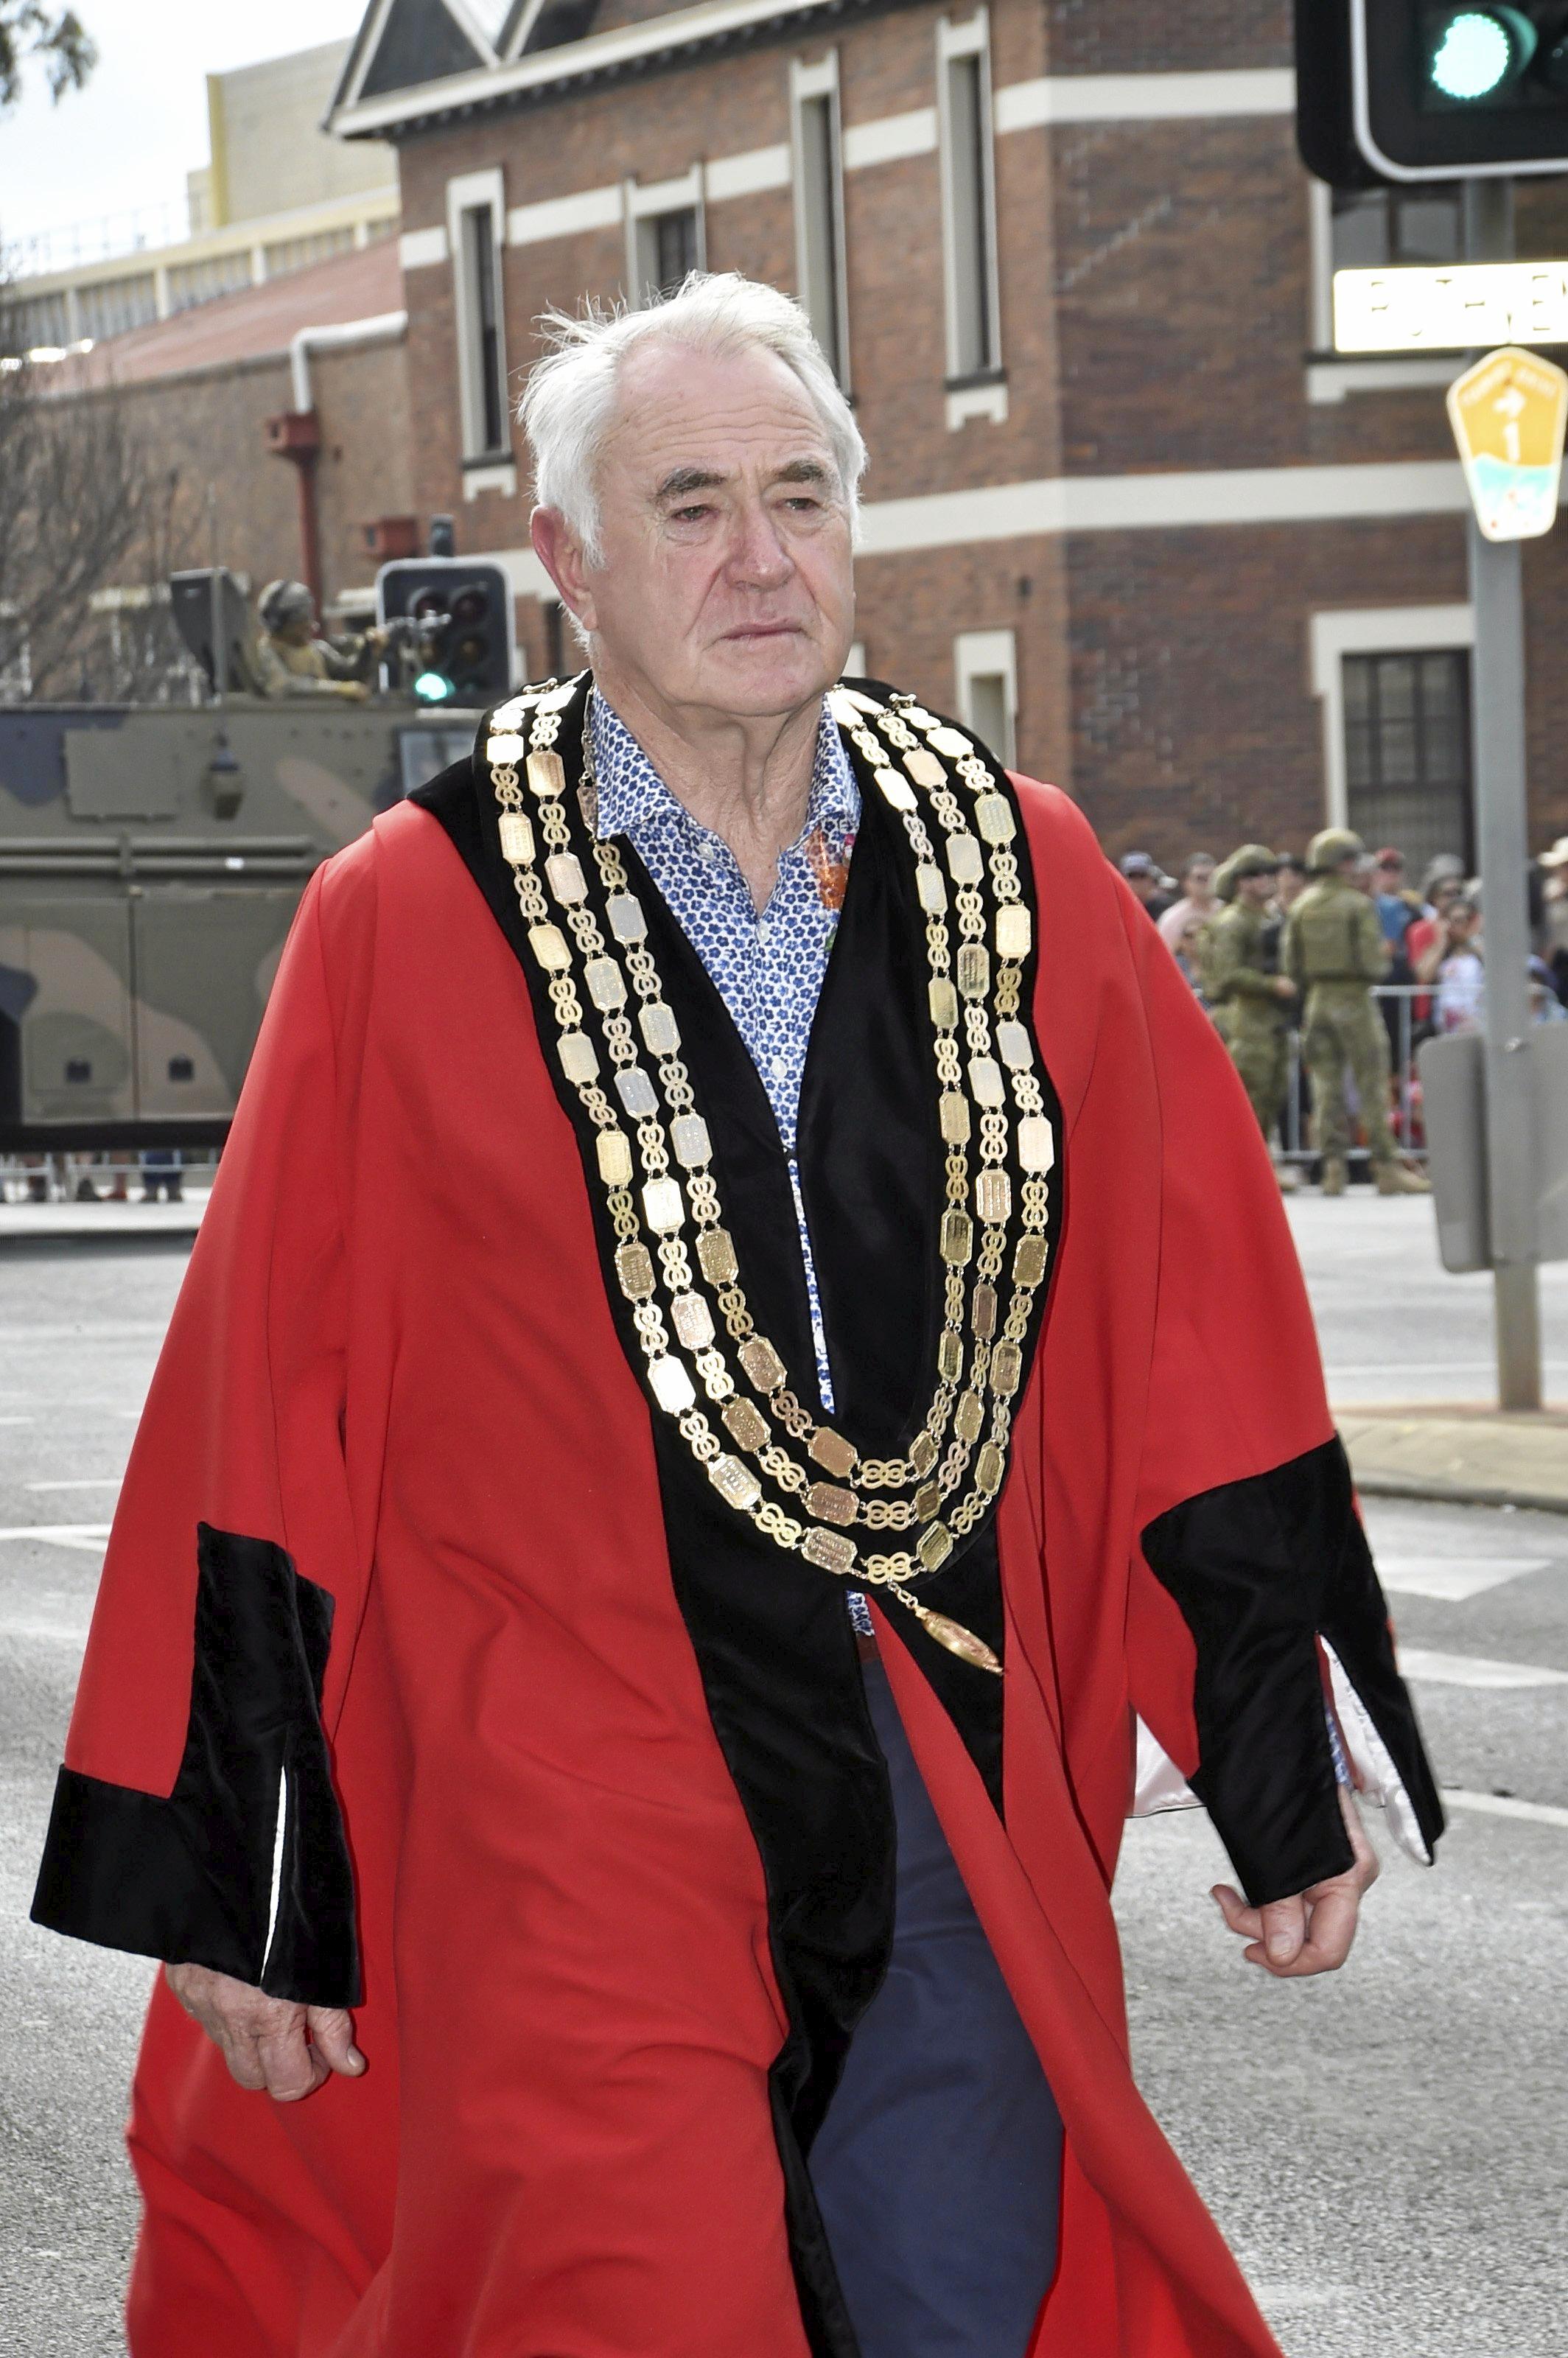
(801, 1483)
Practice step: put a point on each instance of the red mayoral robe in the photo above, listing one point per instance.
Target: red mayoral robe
(430, 1675)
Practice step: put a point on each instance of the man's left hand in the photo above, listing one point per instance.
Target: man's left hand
(1311, 1934)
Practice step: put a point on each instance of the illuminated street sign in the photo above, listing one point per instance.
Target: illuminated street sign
(1508, 415)
(1454, 309)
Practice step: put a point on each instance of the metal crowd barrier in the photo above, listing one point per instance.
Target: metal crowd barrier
(1410, 1012)
(119, 1177)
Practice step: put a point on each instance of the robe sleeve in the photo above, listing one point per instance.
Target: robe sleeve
(195, 1817)
(1247, 1515)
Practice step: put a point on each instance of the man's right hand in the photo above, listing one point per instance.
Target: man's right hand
(267, 2042)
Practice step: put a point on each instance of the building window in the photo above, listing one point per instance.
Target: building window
(1407, 751)
(671, 242)
(969, 198)
(476, 229)
(984, 668)
(666, 236)
(819, 208)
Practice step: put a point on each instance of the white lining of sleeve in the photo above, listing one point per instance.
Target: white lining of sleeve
(1158, 1784)
(1377, 1778)
(279, 1833)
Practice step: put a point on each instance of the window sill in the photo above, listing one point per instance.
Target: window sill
(1331, 375)
(982, 396)
(490, 475)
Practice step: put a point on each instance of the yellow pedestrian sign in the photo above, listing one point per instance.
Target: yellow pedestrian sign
(1507, 413)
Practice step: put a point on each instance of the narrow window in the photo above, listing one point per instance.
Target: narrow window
(674, 248)
(665, 235)
(483, 326)
(969, 201)
(985, 666)
(476, 234)
(819, 210)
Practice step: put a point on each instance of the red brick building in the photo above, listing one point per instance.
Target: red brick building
(1127, 510)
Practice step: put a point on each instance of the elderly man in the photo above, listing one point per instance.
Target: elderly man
(719, 1386)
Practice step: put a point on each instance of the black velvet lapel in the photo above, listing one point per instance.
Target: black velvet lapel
(1260, 1569)
(771, 1632)
(191, 1879)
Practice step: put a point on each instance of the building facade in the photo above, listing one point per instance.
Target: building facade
(1128, 512)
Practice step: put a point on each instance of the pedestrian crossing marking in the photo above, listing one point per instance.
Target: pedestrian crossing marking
(1504, 1805)
(1452, 1578)
(1474, 1670)
(71, 1535)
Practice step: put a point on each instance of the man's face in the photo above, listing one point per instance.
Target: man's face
(1143, 882)
(1390, 876)
(727, 582)
(297, 631)
(1257, 892)
(1445, 893)
(1199, 880)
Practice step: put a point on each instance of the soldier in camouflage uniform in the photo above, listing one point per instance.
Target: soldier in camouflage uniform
(1253, 1002)
(1334, 952)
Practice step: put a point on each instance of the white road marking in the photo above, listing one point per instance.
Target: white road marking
(70, 1535)
(81, 1482)
(1452, 1578)
(17, 1420)
(84, 1330)
(1503, 1805)
(1474, 1671)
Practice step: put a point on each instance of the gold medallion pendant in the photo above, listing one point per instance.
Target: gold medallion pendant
(805, 1487)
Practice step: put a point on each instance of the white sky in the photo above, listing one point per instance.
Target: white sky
(130, 137)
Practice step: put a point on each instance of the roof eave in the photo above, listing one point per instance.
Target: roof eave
(651, 46)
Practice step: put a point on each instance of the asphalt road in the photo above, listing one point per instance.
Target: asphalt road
(1383, 2148)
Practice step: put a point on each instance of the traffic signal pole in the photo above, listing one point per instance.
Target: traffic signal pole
(1503, 845)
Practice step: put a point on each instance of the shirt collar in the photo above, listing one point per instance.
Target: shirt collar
(635, 800)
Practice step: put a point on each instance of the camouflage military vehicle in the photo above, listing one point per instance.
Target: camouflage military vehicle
(151, 859)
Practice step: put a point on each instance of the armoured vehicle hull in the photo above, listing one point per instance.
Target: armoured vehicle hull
(151, 861)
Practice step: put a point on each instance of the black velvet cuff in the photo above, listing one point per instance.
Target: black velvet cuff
(245, 1867)
(1261, 1570)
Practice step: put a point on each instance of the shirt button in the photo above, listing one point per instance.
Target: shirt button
(779, 1068)
(763, 934)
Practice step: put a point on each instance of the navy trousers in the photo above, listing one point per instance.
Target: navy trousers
(938, 2167)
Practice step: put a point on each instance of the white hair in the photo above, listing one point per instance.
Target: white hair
(568, 402)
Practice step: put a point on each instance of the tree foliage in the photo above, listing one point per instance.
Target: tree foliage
(56, 36)
(83, 510)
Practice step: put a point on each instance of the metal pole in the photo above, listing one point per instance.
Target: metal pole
(215, 601)
(1503, 849)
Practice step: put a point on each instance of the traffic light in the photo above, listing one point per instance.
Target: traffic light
(1407, 90)
(452, 629)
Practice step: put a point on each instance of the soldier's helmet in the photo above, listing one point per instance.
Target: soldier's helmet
(1325, 852)
(285, 601)
(1251, 859)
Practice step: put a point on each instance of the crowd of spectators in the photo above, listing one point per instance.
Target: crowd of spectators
(1435, 930)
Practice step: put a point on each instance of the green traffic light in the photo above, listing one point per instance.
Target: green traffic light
(1477, 50)
(432, 687)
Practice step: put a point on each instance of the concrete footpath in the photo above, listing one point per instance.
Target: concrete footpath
(1474, 1457)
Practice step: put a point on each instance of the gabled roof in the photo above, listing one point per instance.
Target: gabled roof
(403, 44)
(546, 48)
(534, 25)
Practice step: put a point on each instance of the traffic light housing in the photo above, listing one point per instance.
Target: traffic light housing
(453, 627)
(1399, 91)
